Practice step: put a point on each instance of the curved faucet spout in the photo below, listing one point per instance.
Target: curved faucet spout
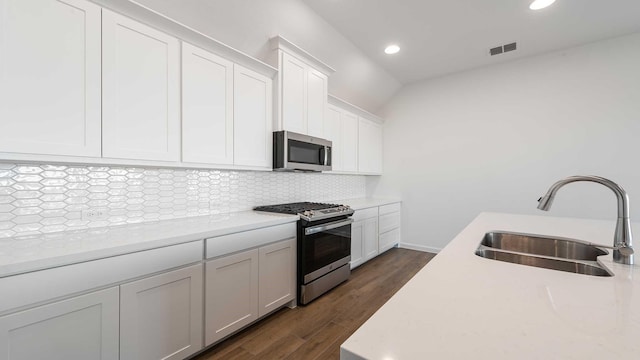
(623, 239)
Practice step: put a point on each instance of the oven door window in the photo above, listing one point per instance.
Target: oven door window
(326, 247)
(305, 153)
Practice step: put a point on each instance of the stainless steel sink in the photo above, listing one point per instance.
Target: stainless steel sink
(541, 245)
(545, 252)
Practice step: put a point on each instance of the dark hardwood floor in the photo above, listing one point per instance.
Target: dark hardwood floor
(316, 331)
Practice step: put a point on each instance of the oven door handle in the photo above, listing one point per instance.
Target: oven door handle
(327, 226)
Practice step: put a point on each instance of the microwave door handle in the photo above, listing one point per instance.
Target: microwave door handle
(322, 155)
(326, 156)
(328, 226)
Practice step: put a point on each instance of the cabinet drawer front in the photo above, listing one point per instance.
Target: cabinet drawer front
(389, 222)
(387, 240)
(365, 214)
(386, 209)
(228, 244)
(38, 286)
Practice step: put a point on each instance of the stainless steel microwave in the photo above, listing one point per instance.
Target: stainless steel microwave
(297, 152)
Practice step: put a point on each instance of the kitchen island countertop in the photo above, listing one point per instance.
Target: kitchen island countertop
(462, 306)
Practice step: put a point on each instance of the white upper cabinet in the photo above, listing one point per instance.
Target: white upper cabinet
(316, 102)
(369, 147)
(50, 77)
(141, 91)
(333, 133)
(293, 97)
(253, 119)
(341, 127)
(302, 89)
(357, 138)
(207, 107)
(349, 142)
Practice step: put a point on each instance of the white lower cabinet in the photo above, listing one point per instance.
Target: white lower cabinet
(161, 316)
(388, 240)
(165, 314)
(84, 327)
(389, 227)
(370, 238)
(277, 280)
(374, 231)
(245, 286)
(357, 237)
(364, 236)
(231, 299)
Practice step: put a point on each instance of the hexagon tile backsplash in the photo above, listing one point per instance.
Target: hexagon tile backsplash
(38, 199)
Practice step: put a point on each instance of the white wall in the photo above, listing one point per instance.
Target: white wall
(247, 25)
(494, 139)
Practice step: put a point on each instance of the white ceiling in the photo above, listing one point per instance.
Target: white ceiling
(438, 37)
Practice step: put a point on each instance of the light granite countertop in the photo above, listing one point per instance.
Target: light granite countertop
(462, 306)
(364, 203)
(36, 252)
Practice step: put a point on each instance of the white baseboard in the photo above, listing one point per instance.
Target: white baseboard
(417, 247)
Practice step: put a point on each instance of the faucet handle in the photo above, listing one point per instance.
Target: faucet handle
(625, 250)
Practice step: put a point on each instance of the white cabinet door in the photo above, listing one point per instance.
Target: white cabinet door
(388, 240)
(294, 94)
(349, 142)
(161, 316)
(316, 102)
(369, 147)
(277, 275)
(357, 243)
(207, 107)
(252, 108)
(231, 294)
(50, 77)
(370, 238)
(333, 133)
(303, 104)
(141, 91)
(84, 327)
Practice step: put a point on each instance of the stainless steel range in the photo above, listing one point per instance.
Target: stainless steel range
(324, 245)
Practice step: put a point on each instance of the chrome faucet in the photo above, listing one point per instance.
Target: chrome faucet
(622, 239)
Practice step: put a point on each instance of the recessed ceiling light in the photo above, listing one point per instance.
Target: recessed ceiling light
(391, 49)
(540, 4)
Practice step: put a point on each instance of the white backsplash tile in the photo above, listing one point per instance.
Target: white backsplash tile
(36, 199)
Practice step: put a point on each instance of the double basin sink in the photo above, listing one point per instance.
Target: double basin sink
(545, 252)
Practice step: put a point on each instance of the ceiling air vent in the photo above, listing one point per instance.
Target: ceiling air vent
(502, 49)
(509, 47)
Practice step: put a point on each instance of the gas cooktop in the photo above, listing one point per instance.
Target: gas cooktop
(309, 211)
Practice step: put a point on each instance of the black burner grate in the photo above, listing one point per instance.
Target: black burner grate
(295, 208)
